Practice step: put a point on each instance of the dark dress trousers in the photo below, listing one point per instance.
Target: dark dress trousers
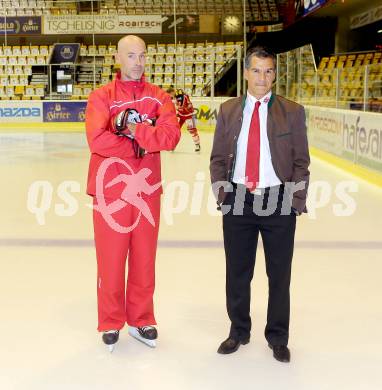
(270, 212)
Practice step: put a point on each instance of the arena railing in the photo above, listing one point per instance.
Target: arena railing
(352, 81)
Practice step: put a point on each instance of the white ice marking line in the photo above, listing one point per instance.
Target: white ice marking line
(182, 244)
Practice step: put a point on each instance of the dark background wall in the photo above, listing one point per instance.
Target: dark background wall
(320, 32)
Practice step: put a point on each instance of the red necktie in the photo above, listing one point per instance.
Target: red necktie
(253, 150)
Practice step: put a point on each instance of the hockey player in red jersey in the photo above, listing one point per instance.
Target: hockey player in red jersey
(128, 123)
(185, 113)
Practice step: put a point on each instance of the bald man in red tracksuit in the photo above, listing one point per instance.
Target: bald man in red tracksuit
(128, 225)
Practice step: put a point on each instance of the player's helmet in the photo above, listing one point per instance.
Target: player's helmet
(179, 95)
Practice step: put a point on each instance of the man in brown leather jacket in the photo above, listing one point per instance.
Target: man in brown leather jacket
(259, 172)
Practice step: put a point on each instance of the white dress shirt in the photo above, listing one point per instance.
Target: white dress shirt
(267, 175)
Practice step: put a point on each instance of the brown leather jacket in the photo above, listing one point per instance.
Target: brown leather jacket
(288, 144)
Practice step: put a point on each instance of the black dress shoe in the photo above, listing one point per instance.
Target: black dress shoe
(280, 353)
(231, 345)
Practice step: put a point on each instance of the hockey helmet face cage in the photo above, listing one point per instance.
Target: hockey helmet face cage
(179, 96)
(133, 116)
(129, 115)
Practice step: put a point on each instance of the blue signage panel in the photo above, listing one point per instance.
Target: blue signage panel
(65, 53)
(64, 111)
(312, 5)
(20, 25)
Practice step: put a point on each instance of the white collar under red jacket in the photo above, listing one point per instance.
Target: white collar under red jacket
(103, 104)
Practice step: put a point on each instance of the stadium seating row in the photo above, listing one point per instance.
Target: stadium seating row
(22, 92)
(343, 87)
(343, 80)
(189, 66)
(255, 9)
(350, 60)
(25, 50)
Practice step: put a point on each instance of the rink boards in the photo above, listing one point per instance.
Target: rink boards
(351, 140)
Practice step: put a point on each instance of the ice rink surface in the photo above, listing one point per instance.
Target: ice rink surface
(48, 284)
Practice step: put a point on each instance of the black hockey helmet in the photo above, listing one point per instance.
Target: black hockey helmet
(179, 95)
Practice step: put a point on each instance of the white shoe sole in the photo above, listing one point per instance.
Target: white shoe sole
(111, 347)
(134, 333)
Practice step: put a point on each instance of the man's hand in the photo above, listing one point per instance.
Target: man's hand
(296, 212)
(131, 127)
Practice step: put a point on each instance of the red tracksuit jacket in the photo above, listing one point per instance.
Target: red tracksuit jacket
(151, 102)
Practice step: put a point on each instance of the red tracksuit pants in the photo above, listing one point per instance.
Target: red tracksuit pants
(131, 303)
